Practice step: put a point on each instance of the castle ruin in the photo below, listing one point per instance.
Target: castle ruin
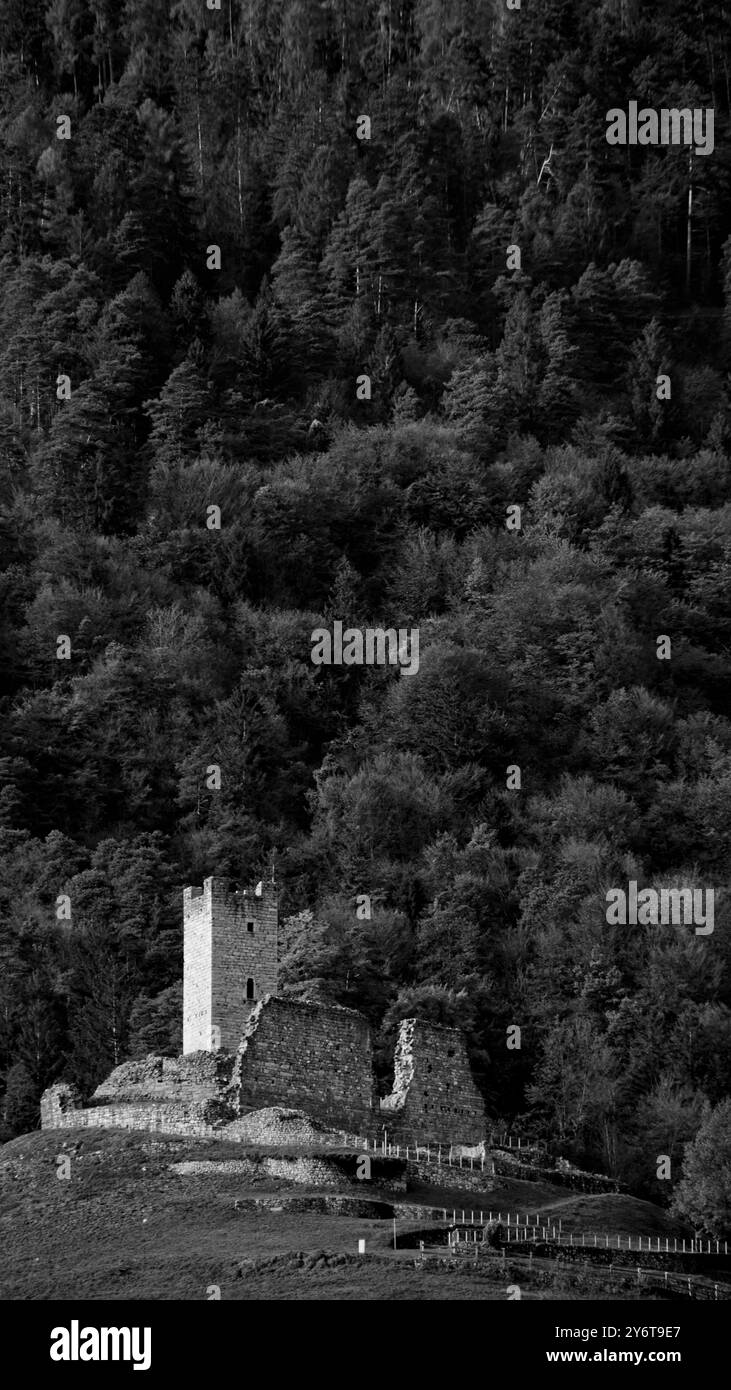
(245, 1047)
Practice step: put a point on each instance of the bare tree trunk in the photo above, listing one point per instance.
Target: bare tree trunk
(198, 129)
(238, 168)
(689, 226)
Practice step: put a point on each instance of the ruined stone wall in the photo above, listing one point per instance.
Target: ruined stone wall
(199, 1077)
(435, 1175)
(318, 1057)
(434, 1098)
(230, 961)
(335, 1172)
(60, 1110)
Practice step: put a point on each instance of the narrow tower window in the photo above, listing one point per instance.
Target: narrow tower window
(249, 988)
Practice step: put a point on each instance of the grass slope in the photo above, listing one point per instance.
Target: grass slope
(122, 1225)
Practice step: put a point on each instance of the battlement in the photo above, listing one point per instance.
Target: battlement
(217, 886)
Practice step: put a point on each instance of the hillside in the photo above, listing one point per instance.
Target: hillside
(124, 1225)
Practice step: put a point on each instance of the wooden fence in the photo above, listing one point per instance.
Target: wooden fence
(533, 1228)
(685, 1285)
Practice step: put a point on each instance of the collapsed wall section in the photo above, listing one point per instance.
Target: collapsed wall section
(434, 1096)
(318, 1057)
(199, 1077)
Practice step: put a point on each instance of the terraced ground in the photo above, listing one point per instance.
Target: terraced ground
(126, 1224)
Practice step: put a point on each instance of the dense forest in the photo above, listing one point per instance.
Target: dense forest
(205, 248)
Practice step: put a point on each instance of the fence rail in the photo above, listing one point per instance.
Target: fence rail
(595, 1240)
(690, 1286)
(528, 1228)
(441, 1154)
(428, 1153)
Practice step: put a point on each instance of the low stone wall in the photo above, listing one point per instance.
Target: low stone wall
(442, 1175)
(365, 1207)
(60, 1109)
(572, 1178)
(332, 1173)
(165, 1119)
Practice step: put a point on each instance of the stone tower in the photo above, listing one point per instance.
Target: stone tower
(230, 960)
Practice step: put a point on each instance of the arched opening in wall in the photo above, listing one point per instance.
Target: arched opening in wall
(249, 988)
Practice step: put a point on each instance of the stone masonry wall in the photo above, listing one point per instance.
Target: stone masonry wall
(434, 1098)
(199, 1077)
(435, 1175)
(60, 1110)
(230, 939)
(318, 1057)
